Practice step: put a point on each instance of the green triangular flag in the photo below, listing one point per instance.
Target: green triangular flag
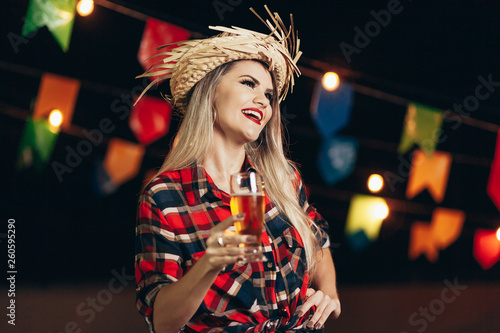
(36, 144)
(57, 15)
(422, 126)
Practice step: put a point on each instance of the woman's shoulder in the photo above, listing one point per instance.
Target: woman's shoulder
(164, 188)
(171, 176)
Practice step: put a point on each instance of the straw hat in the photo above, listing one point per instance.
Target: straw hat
(189, 61)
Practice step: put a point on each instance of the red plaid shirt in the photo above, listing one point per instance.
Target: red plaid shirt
(175, 214)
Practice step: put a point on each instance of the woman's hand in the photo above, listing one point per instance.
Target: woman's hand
(177, 302)
(223, 249)
(325, 307)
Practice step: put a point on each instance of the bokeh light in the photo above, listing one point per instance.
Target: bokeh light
(330, 81)
(85, 7)
(381, 210)
(55, 118)
(375, 183)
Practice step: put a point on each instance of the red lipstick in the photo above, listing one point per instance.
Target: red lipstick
(253, 117)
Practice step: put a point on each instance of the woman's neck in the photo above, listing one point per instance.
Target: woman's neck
(222, 161)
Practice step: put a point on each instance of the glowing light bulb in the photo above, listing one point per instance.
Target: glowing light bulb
(375, 183)
(85, 7)
(55, 118)
(381, 211)
(498, 234)
(330, 81)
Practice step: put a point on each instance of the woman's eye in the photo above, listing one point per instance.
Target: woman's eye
(248, 83)
(269, 97)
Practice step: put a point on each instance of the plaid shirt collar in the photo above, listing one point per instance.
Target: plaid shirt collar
(197, 183)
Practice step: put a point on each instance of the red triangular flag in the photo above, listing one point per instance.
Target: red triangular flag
(150, 119)
(486, 248)
(157, 33)
(494, 180)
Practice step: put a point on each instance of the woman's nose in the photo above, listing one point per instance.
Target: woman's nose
(262, 99)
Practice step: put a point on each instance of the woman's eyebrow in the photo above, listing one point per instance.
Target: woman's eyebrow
(257, 82)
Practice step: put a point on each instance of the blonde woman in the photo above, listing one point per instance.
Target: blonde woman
(190, 274)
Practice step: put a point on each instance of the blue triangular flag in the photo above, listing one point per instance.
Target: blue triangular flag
(358, 241)
(337, 158)
(331, 110)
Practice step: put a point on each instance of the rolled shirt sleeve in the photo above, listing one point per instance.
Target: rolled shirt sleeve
(157, 254)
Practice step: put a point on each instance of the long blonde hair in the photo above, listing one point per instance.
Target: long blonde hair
(195, 135)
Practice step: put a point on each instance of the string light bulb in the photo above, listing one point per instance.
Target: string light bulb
(375, 183)
(381, 211)
(85, 7)
(55, 118)
(498, 234)
(330, 81)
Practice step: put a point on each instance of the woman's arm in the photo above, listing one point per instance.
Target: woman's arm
(177, 302)
(324, 295)
(325, 278)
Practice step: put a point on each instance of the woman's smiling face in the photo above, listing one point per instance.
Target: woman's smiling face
(243, 102)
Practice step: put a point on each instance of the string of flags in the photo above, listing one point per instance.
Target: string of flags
(331, 106)
(330, 110)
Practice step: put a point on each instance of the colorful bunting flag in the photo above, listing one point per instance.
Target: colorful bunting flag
(123, 160)
(331, 110)
(150, 119)
(422, 126)
(157, 33)
(428, 239)
(494, 179)
(429, 172)
(56, 92)
(36, 145)
(363, 217)
(337, 158)
(57, 15)
(358, 241)
(486, 248)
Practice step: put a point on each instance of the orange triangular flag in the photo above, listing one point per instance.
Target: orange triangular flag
(123, 160)
(421, 241)
(429, 172)
(56, 92)
(446, 226)
(428, 239)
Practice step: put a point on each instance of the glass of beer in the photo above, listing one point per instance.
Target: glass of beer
(247, 196)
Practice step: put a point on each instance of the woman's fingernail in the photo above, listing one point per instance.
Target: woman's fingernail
(318, 326)
(240, 215)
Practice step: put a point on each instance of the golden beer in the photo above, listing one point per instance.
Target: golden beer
(253, 205)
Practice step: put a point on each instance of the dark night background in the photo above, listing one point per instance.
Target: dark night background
(432, 52)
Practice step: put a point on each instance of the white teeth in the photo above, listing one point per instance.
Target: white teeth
(253, 113)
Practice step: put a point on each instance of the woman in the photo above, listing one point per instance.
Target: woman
(190, 274)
